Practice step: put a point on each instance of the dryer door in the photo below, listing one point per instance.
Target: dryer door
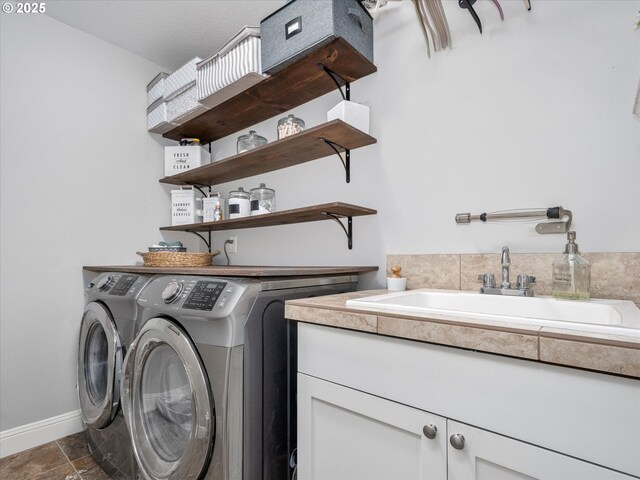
(100, 358)
(167, 403)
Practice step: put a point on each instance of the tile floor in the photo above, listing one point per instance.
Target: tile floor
(65, 459)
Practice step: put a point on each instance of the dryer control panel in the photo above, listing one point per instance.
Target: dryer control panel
(198, 296)
(204, 295)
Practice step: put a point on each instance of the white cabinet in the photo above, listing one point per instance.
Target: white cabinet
(488, 456)
(344, 434)
(364, 399)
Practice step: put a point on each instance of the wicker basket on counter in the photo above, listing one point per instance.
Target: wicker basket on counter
(177, 259)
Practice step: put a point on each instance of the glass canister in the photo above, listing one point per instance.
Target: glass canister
(239, 203)
(289, 125)
(249, 141)
(263, 200)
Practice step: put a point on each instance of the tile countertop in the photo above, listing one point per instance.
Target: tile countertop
(593, 351)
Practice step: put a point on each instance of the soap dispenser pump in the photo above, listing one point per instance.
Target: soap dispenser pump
(571, 273)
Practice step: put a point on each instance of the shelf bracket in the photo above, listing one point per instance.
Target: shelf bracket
(346, 95)
(348, 230)
(206, 242)
(346, 161)
(199, 189)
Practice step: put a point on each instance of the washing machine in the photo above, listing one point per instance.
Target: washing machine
(208, 386)
(106, 332)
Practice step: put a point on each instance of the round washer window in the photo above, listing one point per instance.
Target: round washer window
(166, 402)
(96, 364)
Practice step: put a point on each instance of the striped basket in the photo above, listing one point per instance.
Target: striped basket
(237, 63)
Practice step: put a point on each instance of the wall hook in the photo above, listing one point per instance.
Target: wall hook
(468, 5)
(499, 7)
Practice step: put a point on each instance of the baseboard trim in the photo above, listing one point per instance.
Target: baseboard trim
(36, 433)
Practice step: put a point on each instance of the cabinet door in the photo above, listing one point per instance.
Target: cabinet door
(484, 455)
(350, 435)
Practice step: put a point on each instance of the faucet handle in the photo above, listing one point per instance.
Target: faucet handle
(487, 279)
(525, 281)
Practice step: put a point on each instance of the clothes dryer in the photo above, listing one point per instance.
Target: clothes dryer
(106, 332)
(208, 388)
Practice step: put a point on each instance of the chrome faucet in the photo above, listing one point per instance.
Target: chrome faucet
(524, 285)
(506, 262)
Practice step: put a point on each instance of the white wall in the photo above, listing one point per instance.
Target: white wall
(536, 112)
(79, 186)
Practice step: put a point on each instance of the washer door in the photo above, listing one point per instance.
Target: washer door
(100, 358)
(167, 403)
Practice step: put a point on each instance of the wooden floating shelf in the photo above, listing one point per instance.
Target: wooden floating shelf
(299, 215)
(297, 84)
(237, 270)
(299, 148)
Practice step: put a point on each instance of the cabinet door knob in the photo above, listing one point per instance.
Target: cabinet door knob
(430, 431)
(457, 441)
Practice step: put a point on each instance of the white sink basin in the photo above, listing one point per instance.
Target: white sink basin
(597, 315)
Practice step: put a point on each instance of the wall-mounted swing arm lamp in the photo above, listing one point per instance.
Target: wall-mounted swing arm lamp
(562, 225)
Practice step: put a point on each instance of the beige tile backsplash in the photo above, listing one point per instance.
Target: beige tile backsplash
(613, 275)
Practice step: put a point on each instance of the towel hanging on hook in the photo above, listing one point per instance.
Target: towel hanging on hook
(434, 24)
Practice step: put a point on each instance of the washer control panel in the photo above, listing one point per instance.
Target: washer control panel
(204, 295)
(123, 285)
(105, 283)
(116, 284)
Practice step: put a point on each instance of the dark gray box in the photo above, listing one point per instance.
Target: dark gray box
(302, 26)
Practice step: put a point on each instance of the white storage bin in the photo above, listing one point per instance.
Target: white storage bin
(157, 118)
(234, 68)
(183, 206)
(155, 89)
(180, 158)
(352, 113)
(184, 106)
(181, 79)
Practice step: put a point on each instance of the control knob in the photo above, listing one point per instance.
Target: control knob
(105, 283)
(172, 291)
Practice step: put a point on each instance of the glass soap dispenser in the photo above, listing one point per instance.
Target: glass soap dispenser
(571, 273)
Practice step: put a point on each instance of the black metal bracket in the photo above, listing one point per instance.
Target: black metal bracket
(200, 189)
(346, 161)
(206, 242)
(337, 79)
(348, 230)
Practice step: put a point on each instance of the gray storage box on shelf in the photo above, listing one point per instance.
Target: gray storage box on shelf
(180, 93)
(155, 89)
(158, 118)
(304, 25)
(231, 70)
(185, 106)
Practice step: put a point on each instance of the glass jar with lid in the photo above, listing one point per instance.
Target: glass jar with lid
(249, 141)
(239, 203)
(289, 125)
(263, 200)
